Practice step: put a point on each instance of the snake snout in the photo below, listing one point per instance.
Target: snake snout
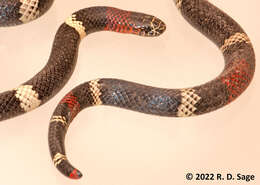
(153, 26)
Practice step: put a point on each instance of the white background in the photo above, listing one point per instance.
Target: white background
(112, 146)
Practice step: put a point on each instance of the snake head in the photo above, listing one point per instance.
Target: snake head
(133, 22)
(149, 26)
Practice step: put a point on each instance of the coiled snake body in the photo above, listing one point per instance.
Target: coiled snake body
(208, 19)
(236, 76)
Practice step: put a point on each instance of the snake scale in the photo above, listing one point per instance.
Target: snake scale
(15, 12)
(209, 20)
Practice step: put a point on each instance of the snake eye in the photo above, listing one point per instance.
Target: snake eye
(147, 30)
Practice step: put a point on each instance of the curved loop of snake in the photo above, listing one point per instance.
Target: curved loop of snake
(236, 76)
(15, 12)
(62, 60)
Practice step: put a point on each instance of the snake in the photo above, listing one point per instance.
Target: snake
(61, 63)
(213, 23)
(16, 12)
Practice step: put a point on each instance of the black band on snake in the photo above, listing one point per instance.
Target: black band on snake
(208, 19)
(15, 12)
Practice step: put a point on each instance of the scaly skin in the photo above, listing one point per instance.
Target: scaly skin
(62, 60)
(16, 12)
(85, 22)
(236, 76)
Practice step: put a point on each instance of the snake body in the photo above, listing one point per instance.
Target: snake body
(234, 79)
(15, 12)
(46, 83)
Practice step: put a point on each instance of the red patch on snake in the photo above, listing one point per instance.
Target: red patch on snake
(72, 103)
(238, 79)
(119, 21)
(74, 174)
